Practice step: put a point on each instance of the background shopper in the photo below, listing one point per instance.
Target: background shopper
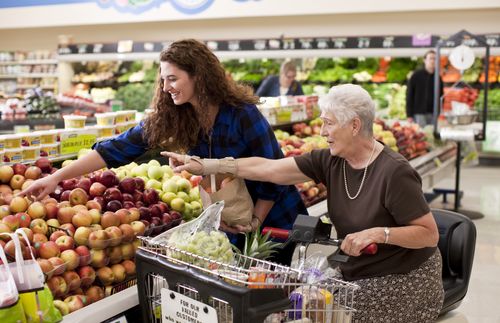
(284, 84)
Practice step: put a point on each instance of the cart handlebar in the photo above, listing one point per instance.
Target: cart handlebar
(284, 234)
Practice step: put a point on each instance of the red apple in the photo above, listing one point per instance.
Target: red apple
(145, 213)
(134, 214)
(108, 178)
(128, 233)
(49, 249)
(6, 173)
(139, 184)
(150, 196)
(129, 266)
(37, 210)
(109, 219)
(87, 275)
(138, 227)
(33, 172)
(72, 280)
(63, 204)
(114, 235)
(128, 251)
(65, 195)
(94, 294)
(82, 219)
(44, 164)
(12, 222)
(114, 206)
(128, 197)
(175, 215)
(65, 243)
(97, 189)
(51, 210)
(99, 258)
(115, 254)
(47, 267)
(137, 196)
(92, 204)
(58, 264)
(56, 235)
(98, 239)
(18, 204)
(69, 184)
(101, 201)
(105, 275)
(75, 302)
(65, 214)
(69, 228)
(78, 197)
(84, 255)
(19, 169)
(128, 185)
(96, 216)
(57, 192)
(71, 258)
(84, 184)
(118, 272)
(166, 218)
(128, 204)
(17, 181)
(57, 286)
(139, 204)
(123, 215)
(82, 236)
(156, 211)
(164, 207)
(39, 226)
(113, 194)
(39, 238)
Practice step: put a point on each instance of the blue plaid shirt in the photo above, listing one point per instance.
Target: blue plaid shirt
(237, 132)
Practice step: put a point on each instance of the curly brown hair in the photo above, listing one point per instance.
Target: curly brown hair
(177, 128)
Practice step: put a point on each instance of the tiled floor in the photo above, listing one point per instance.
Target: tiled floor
(481, 186)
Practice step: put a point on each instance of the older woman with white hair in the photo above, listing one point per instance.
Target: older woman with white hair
(374, 196)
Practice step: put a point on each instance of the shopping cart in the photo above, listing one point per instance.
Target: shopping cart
(199, 289)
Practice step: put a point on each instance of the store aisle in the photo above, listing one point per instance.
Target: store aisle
(481, 186)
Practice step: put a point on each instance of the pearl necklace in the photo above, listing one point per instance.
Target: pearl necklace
(362, 180)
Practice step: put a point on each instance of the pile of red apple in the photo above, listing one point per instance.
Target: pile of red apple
(84, 235)
(410, 139)
(311, 192)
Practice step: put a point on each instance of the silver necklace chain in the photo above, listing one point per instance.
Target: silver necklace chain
(362, 180)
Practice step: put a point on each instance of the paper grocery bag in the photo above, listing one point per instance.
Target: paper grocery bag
(238, 203)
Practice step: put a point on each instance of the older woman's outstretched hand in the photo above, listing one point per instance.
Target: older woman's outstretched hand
(180, 162)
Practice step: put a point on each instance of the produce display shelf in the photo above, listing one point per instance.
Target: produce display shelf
(31, 62)
(106, 308)
(31, 86)
(28, 75)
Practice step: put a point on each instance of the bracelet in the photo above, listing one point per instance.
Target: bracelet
(387, 232)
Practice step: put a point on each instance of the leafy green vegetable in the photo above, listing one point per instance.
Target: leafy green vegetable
(136, 96)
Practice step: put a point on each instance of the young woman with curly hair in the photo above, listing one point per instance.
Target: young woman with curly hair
(198, 110)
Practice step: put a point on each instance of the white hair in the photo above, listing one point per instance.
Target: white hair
(347, 101)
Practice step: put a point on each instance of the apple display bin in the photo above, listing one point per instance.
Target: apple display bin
(221, 289)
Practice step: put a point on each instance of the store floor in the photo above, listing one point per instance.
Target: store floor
(481, 186)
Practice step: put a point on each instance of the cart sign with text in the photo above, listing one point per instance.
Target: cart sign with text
(177, 308)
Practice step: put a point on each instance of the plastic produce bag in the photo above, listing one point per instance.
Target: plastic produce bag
(11, 309)
(39, 307)
(200, 237)
(233, 191)
(315, 268)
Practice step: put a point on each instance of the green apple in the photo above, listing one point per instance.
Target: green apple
(169, 186)
(153, 183)
(184, 196)
(154, 162)
(197, 208)
(155, 172)
(140, 171)
(178, 204)
(194, 193)
(188, 212)
(175, 178)
(131, 165)
(167, 170)
(183, 185)
(167, 197)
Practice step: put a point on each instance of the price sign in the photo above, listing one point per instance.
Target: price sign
(125, 46)
(259, 44)
(339, 42)
(288, 44)
(72, 143)
(98, 48)
(363, 42)
(306, 43)
(234, 45)
(178, 308)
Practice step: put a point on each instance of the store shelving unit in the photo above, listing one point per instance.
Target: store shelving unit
(22, 69)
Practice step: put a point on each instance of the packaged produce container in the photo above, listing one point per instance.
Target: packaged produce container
(2, 153)
(105, 119)
(12, 141)
(74, 122)
(105, 131)
(121, 128)
(129, 115)
(121, 117)
(31, 139)
(2, 143)
(14, 155)
(31, 153)
(48, 137)
(50, 151)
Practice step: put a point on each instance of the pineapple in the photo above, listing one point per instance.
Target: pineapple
(258, 246)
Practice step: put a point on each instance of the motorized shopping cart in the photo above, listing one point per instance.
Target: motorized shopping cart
(178, 286)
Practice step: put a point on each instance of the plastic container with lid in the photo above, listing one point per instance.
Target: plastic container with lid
(2, 153)
(48, 137)
(31, 139)
(2, 143)
(74, 122)
(31, 153)
(105, 131)
(121, 117)
(49, 151)
(129, 115)
(14, 155)
(121, 128)
(105, 119)
(12, 141)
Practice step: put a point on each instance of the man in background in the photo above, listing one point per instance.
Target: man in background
(420, 92)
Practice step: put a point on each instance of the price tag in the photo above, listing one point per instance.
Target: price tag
(288, 44)
(72, 143)
(121, 319)
(259, 44)
(388, 42)
(98, 48)
(306, 43)
(178, 308)
(234, 45)
(82, 49)
(149, 47)
(363, 42)
(322, 43)
(339, 42)
(125, 46)
(492, 40)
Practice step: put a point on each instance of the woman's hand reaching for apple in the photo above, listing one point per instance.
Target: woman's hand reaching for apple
(180, 162)
(40, 188)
